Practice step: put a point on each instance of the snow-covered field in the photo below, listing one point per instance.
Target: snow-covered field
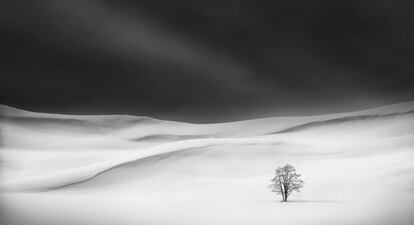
(106, 170)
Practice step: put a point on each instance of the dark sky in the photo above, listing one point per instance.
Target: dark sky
(205, 61)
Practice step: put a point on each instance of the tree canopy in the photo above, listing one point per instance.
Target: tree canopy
(286, 181)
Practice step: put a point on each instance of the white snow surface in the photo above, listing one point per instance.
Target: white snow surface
(118, 169)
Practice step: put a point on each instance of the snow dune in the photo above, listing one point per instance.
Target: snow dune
(182, 173)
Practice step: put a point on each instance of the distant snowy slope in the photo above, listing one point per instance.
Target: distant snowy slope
(22, 129)
(135, 128)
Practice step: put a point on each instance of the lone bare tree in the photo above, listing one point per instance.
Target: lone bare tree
(286, 181)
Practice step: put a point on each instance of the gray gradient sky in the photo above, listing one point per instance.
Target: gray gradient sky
(205, 61)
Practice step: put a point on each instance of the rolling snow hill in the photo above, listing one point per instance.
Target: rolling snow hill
(119, 169)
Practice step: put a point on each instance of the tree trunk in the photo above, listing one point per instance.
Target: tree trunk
(285, 195)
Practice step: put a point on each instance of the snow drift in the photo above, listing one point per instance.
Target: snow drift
(181, 173)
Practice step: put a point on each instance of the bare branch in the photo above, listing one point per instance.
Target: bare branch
(286, 181)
